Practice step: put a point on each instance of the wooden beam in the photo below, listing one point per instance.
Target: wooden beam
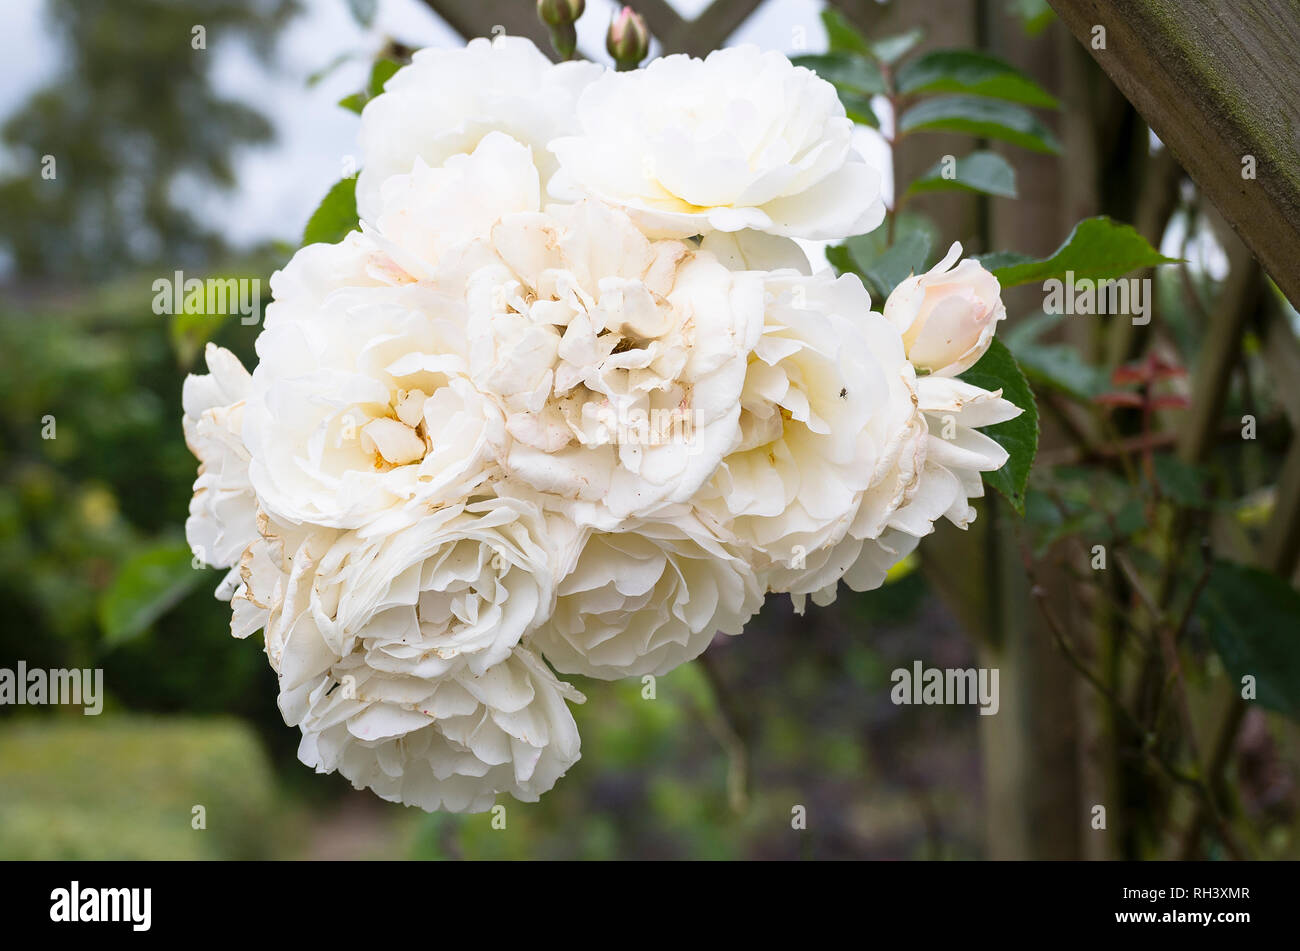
(1217, 82)
(698, 37)
(471, 18)
(710, 29)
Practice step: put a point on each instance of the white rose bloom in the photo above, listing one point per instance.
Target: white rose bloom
(956, 453)
(756, 251)
(316, 271)
(571, 391)
(461, 586)
(947, 315)
(446, 101)
(646, 598)
(461, 583)
(223, 512)
(830, 427)
(861, 563)
(359, 408)
(263, 569)
(617, 361)
(361, 403)
(399, 663)
(953, 456)
(432, 210)
(742, 139)
(455, 742)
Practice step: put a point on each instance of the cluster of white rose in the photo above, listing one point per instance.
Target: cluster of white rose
(571, 392)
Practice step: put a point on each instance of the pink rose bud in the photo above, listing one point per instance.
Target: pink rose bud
(947, 315)
(629, 39)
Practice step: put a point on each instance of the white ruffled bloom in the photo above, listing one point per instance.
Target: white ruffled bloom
(829, 424)
(431, 212)
(399, 658)
(462, 586)
(755, 251)
(741, 139)
(947, 315)
(359, 410)
(935, 479)
(617, 361)
(956, 453)
(647, 598)
(455, 742)
(571, 391)
(446, 101)
(223, 511)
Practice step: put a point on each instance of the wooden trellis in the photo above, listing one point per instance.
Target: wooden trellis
(674, 32)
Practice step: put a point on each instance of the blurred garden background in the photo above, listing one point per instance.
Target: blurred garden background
(210, 159)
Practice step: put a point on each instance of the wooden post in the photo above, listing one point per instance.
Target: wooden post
(1218, 83)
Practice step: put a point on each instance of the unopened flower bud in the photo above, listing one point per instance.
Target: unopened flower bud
(628, 40)
(559, 12)
(947, 315)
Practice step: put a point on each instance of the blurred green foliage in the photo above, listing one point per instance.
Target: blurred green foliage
(126, 788)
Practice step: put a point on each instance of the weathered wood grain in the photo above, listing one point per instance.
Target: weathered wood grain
(1217, 80)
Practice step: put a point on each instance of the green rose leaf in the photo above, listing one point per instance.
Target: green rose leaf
(985, 172)
(858, 108)
(1034, 15)
(1097, 249)
(380, 73)
(149, 585)
(893, 48)
(845, 71)
(988, 118)
(974, 73)
(905, 257)
(1250, 617)
(997, 370)
(335, 216)
(999, 260)
(881, 265)
(382, 70)
(354, 103)
(841, 36)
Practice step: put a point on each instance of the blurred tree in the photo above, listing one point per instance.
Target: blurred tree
(94, 471)
(131, 116)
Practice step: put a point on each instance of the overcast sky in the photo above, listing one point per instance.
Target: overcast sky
(280, 185)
